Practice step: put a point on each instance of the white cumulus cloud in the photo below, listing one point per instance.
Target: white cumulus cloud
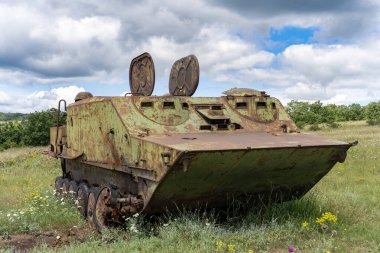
(38, 100)
(58, 43)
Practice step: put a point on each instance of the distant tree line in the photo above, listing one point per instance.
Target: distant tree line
(316, 113)
(33, 130)
(12, 116)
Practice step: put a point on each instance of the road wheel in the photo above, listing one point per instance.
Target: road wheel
(82, 199)
(65, 186)
(91, 206)
(73, 189)
(58, 185)
(106, 212)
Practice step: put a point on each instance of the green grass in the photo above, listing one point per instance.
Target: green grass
(351, 192)
(27, 203)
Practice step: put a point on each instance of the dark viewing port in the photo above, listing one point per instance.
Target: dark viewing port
(261, 104)
(146, 104)
(168, 105)
(241, 105)
(216, 107)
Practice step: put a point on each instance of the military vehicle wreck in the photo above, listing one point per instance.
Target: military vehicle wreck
(140, 153)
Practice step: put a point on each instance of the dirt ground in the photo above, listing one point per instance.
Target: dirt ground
(53, 238)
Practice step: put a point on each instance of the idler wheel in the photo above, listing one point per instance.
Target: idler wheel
(82, 199)
(106, 210)
(91, 206)
(58, 185)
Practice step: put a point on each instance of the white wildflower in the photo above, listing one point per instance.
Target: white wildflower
(133, 228)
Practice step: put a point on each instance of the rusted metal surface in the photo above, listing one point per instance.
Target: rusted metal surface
(240, 140)
(58, 128)
(244, 92)
(184, 76)
(160, 152)
(57, 140)
(210, 175)
(142, 75)
(91, 206)
(106, 212)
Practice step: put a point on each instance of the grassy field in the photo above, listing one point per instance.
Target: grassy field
(347, 200)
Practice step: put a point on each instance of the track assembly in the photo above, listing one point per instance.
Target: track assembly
(184, 76)
(142, 75)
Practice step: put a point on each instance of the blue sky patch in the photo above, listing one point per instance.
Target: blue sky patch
(280, 39)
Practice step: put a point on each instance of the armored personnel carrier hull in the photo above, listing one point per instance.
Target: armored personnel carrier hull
(141, 153)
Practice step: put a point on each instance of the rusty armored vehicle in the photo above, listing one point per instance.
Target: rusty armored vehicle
(140, 153)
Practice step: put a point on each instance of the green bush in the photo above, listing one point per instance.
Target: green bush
(314, 127)
(316, 112)
(373, 122)
(333, 125)
(33, 131)
(301, 124)
(373, 111)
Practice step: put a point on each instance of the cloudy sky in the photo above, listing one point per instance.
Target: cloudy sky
(294, 49)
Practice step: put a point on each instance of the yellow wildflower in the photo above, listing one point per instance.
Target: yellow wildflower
(326, 217)
(329, 217)
(305, 224)
(320, 221)
(327, 251)
(250, 251)
(231, 247)
(219, 245)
